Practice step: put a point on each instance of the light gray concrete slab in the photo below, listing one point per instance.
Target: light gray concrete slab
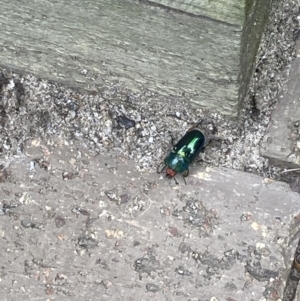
(89, 227)
(91, 44)
(281, 144)
(229, 11)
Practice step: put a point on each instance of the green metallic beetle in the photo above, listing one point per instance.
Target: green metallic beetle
(183, 154)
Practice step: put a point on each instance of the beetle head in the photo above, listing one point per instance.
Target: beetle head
(170, 173)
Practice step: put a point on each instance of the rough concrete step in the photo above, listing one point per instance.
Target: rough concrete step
(281, 144)
(80, 225)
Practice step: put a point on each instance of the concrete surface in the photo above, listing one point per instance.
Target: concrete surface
(88, 44)
(281, 144)
(76, 225)
(227, 11)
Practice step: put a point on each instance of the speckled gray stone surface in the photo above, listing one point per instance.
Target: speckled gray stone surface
(80, 226)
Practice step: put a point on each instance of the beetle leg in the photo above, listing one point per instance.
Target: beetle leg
(172, 138)
(200, 159)
(192, 127)
(173, 141)
(204, 120)
(185, 173)
(158, 170)
(175, 181)
(204, 161)
(212, 138)
(195, 125)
